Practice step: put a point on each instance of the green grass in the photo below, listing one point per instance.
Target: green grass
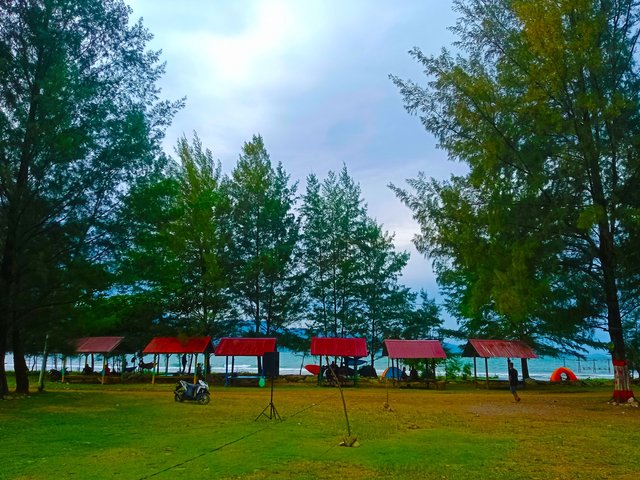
(137, 431)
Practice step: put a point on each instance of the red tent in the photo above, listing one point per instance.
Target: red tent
(242, 347)
(178, 345)
(495, 349)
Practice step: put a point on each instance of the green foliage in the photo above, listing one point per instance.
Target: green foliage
(80, 124)
(175, 261)
(424, 321)
(632, 339)
(263, 250)
(537, 241)
(351, 266)
(456, 368)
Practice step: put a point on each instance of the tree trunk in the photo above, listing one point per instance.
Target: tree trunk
(525, 368)
(22, 372)
(622, 383)
(622, 392)
(4, 386)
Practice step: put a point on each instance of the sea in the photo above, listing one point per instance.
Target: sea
(594, 366)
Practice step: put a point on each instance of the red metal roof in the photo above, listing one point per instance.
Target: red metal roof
(498, 348)
(245, 347)
(339, 347)
(179, 345)
(413, 349)
(97, 344)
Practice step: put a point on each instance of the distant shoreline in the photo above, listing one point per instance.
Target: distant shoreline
(597, 366)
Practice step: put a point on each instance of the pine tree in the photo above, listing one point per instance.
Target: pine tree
(80, 121)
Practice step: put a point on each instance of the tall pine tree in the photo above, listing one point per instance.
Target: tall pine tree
(80, 121)
(542, 105)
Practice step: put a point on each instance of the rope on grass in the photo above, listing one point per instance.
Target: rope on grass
(203, 454)
(220, 447)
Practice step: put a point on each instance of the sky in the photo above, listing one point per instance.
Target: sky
(312, 78)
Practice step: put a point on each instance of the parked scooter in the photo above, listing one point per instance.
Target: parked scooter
(198, 392)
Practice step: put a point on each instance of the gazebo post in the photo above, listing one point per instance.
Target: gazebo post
(486, 370)
(104, 367)
(195, 370)
(155, 368)
(64, 367)
(475, 369)
(355, 371)
(226, 371)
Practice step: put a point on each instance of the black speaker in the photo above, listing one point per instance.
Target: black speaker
(271, 364)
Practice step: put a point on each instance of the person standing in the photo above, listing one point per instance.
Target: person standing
(513, 381)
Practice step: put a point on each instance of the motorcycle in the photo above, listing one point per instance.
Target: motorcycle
(197, 392)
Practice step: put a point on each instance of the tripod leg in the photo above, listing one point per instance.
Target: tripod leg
(273, 412)
(263, 413)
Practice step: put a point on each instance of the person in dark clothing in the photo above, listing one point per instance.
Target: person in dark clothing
(513, 381)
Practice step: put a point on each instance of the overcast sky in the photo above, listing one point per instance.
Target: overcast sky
(311, 77)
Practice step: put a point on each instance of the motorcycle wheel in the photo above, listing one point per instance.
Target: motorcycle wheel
(204, 399)
(177, 397)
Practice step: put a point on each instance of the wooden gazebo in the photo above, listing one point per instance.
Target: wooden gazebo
(178, 345)
(339, 347)
(495, 349)
(242, 347)
(104, 346)
(412, 349)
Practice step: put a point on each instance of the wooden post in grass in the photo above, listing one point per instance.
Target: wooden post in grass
(154, 369)
(486, 370)
(104, 368)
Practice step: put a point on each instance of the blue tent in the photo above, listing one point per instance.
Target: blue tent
(392, 372)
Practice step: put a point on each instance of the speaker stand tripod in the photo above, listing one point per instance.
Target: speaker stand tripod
(273, 411)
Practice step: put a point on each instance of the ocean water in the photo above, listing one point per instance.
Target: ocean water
(595, 366)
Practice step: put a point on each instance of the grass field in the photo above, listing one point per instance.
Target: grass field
(138, 432)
